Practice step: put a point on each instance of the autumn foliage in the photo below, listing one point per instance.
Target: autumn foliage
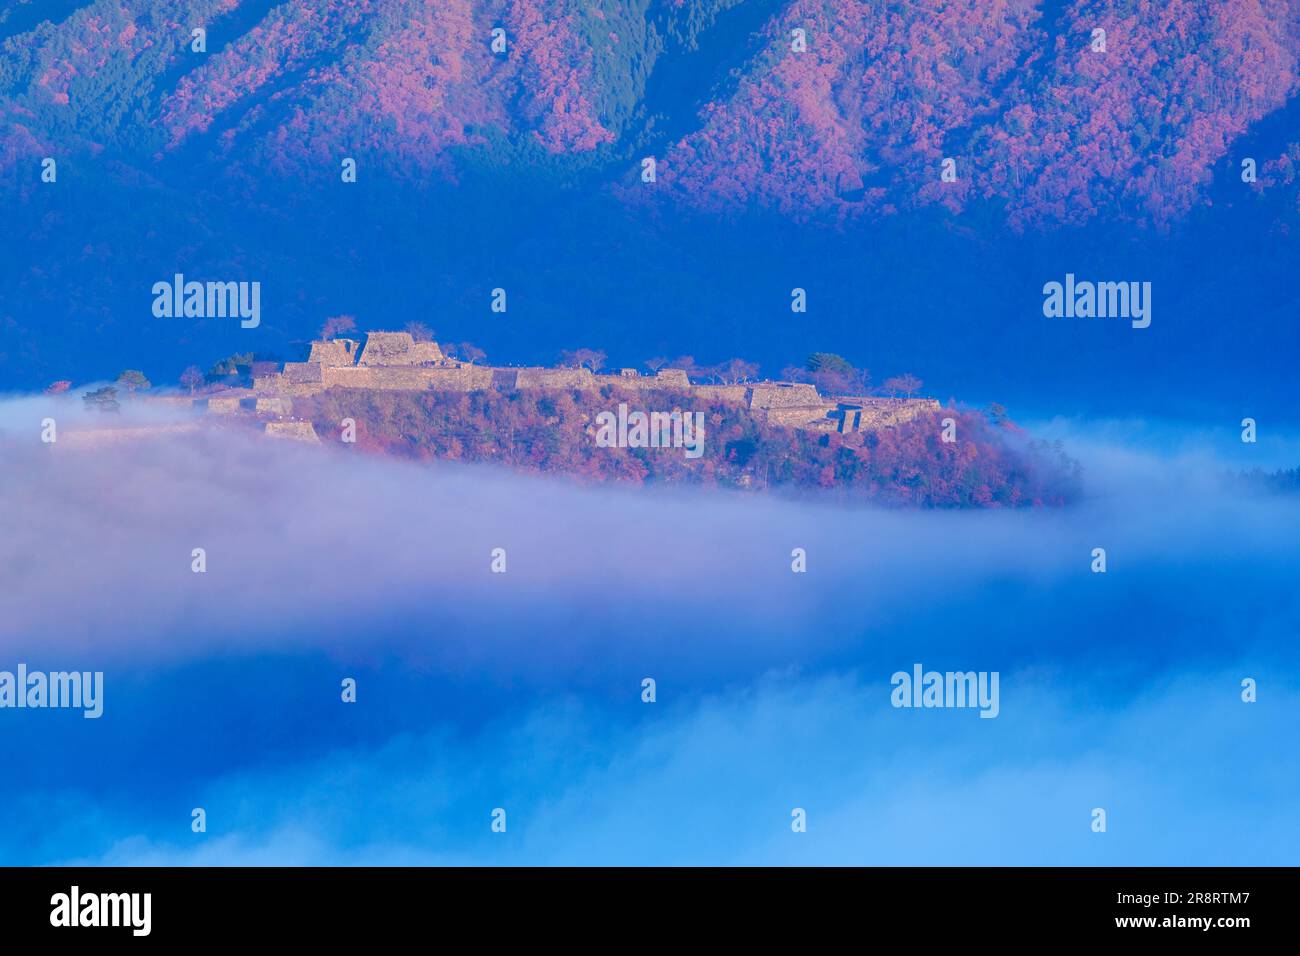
(1041, 124)
(554, 432)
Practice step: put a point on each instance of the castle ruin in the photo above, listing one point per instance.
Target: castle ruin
(395, 361)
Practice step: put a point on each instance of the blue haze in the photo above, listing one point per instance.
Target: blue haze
(522, 690)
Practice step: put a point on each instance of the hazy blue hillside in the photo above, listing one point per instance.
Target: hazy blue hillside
(776, 169)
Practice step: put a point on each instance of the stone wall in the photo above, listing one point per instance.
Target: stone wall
(801, 416)
(783, 395)
(852, 414)
(417, 378)
(274, 385)
(303, 373)
(891, 412)
(273, 405)
(620, 381)
(89, 438)
(736, 394)
(228, 402)
(349, 377)
(554, 378)
(394, 361)
(461, 378)
(427, 353)
(293, 431)
(674, 378)
(398, 348)
(336, 352)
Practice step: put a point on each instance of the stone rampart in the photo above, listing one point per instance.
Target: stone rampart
(735, 394)
(303, 373)
(464, 378)
(629, 378)
(783, 395)
(800, 416)
(394, 361)
(273, 405)
(293, 431)
(672, 378)
(554, 378)
(335, 352)
(398, 348)
(891, 412)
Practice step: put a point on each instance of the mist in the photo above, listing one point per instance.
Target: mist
(523, 690)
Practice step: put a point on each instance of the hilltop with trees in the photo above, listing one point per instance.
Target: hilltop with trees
(551, 432)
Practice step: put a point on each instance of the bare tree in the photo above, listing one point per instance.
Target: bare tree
(470, 352)
(593, 359)
(656, 363)
(687, 364)
(337, 325)
(192, 378)
(907, 385)
(734, 371)
(830, 382)
(419, 331)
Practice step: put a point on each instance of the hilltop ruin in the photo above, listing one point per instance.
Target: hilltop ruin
(395, 361)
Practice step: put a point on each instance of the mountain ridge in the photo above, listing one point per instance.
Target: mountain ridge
(1038, 122)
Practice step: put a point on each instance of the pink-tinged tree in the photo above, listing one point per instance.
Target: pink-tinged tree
(132, 380)
(192, 378)
(420, 332)
(468, 352)
(734, 371)
(906, 385)
(556, 75)
(593, 359)
(291, 35)
(1134, 132)
(337, 325)
(860, 119)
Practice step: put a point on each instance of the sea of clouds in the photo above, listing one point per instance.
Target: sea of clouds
(522, 690)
